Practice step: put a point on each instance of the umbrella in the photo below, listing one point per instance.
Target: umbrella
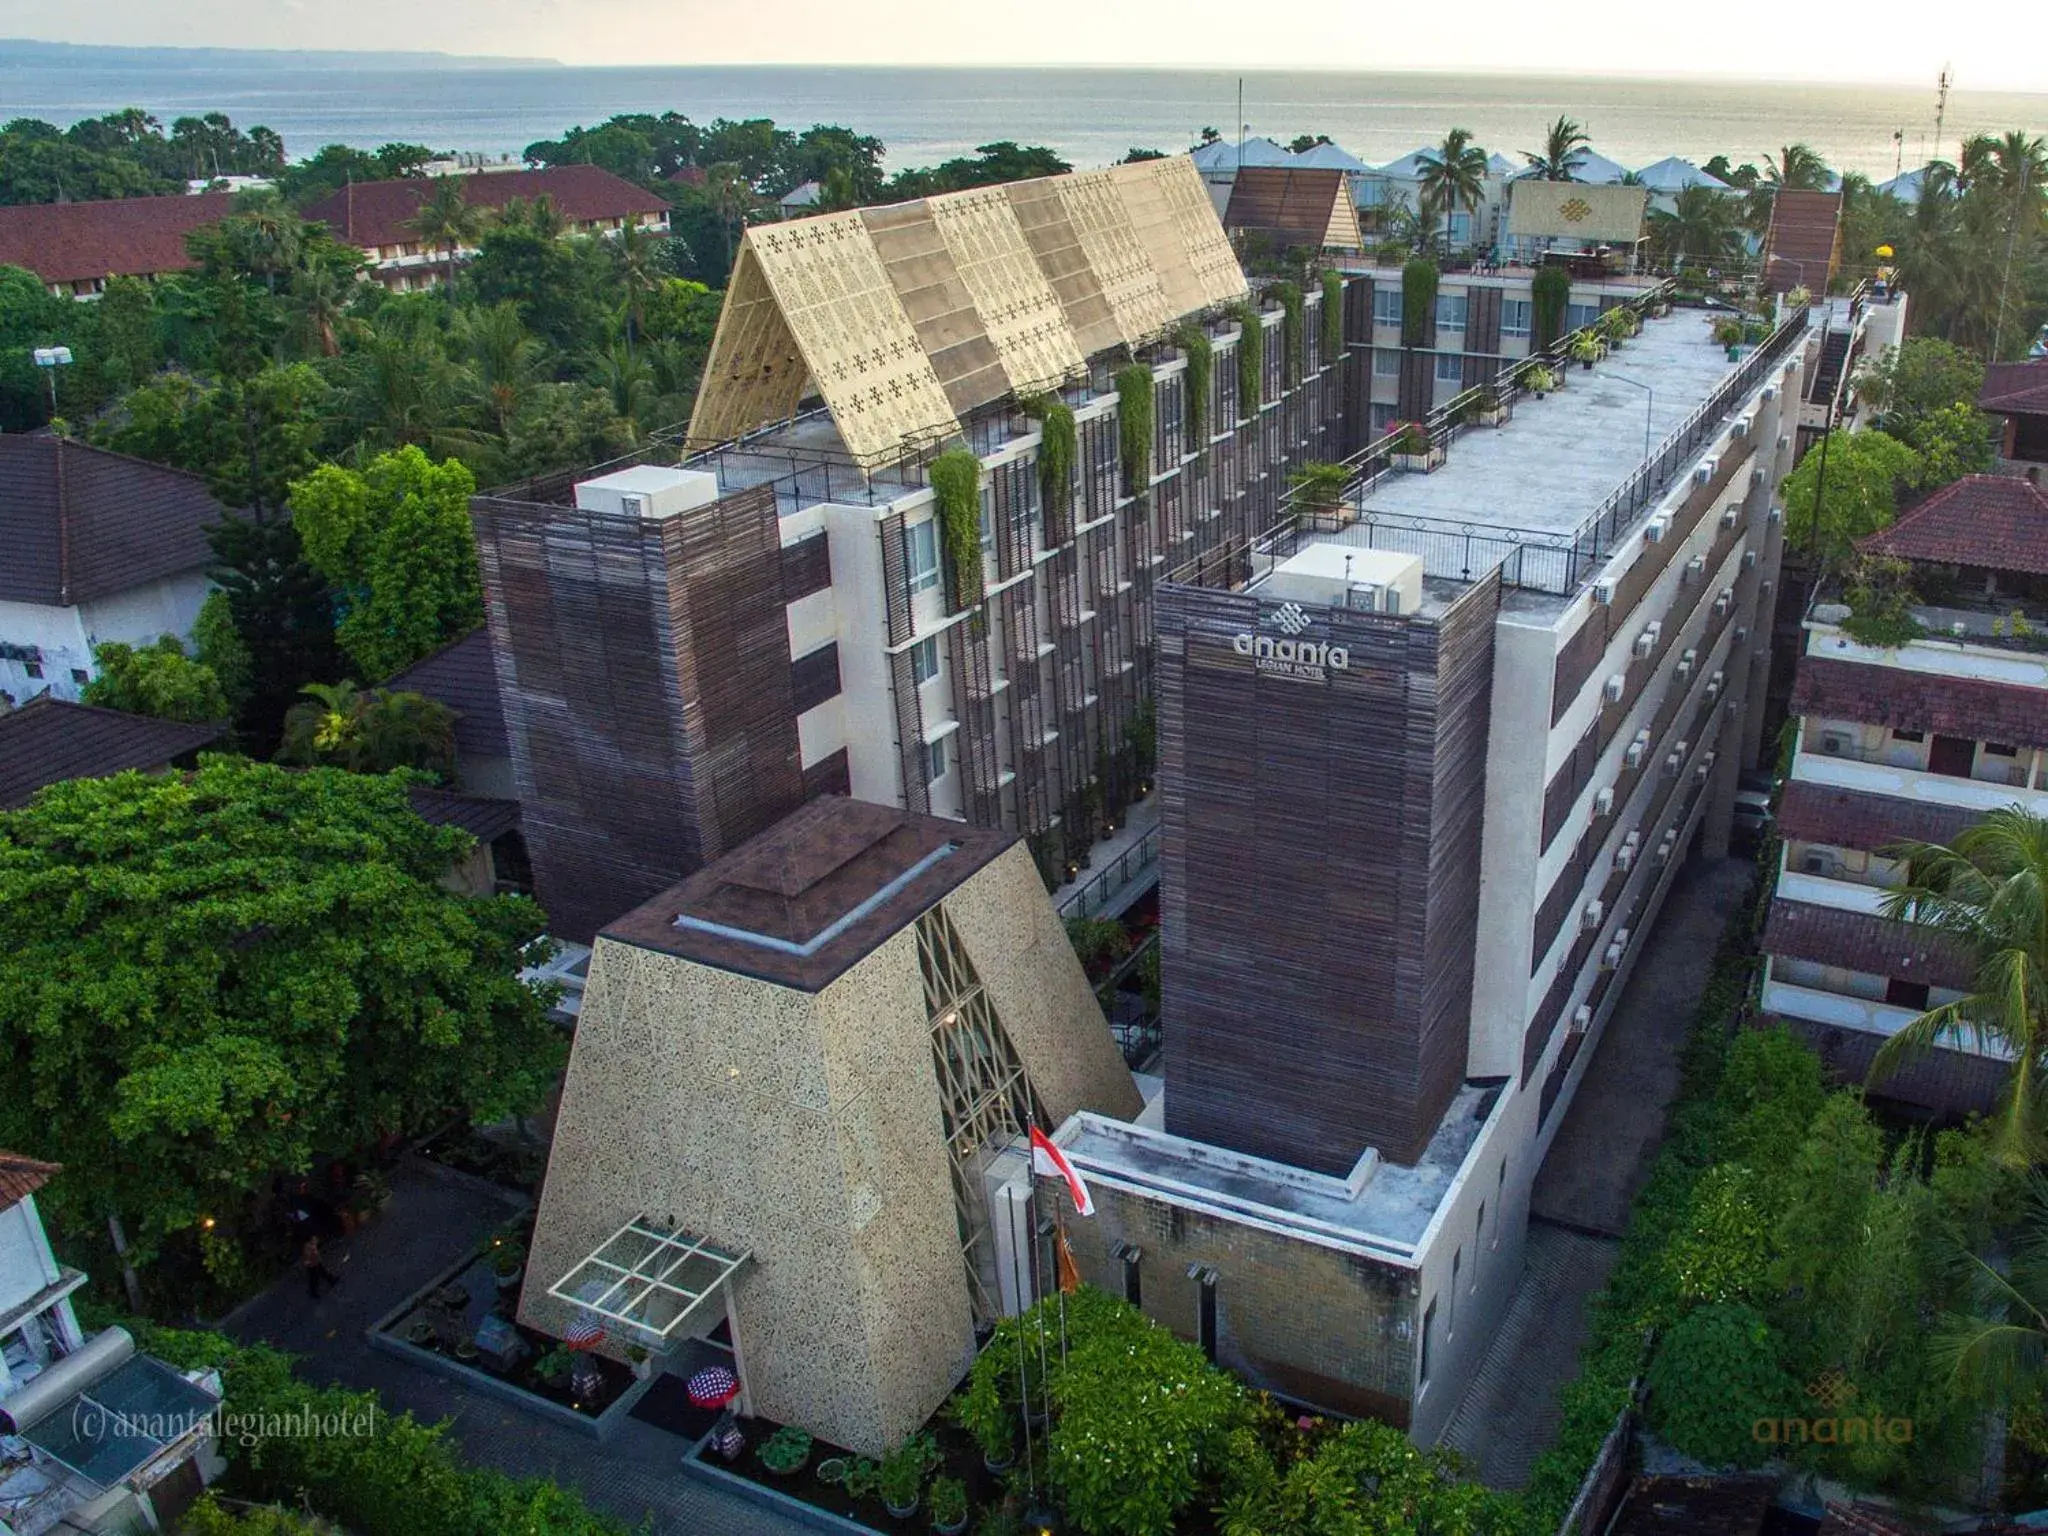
(583, 1332)
(712, 1387)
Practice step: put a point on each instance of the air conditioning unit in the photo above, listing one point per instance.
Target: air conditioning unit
(1687, 662)
(1714, 684)
(1742, 634)
(1624, 856)
(1612, 957)
(1655, 529)
(1582, 1018)
(1621, 937)
(1700, 774)
(1739, 428)
(1695, 568)
(1674, 762)
(1758, 475)
(1763, 589)
(1710, 757)
(1704, 474)
(1664, 853)
(1816, 863)
(1833, 743)
(1724, 602)
(1591, 915)
(1749, 559)
(1731, 516)
(1638, 749)
(1770, 393)
(1645, 644)
(1775, 516)
(1633, 840)
(1603, 803)
(1784, 442)
(1613, 688)
(1603, 591)
(632, 505)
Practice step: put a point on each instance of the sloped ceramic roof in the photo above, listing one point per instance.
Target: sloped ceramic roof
(1305, 207)
(462, 676)
(118, 237)
(48, 741)
(21, 1177)
(381, 212)
(1837, 689)
(1800, 247)
(1996, 522)
(2021, 388)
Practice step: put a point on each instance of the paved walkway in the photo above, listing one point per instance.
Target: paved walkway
(1598, 1163)
(432, 1220)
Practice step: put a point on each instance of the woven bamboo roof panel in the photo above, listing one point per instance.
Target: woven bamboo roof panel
(1159, 233)
(854, 336)
(1022, 314)
(1217, 274)
(1294, 207)
(755, 373)
(1122, 263)
(1056, 244)
(942, 311)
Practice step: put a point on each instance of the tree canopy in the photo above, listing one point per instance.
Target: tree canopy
(1864, 472)
(215, 977)
(159, 680)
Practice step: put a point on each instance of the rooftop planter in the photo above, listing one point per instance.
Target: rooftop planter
(1487, 409)
(1585, 349)
(1414, 453)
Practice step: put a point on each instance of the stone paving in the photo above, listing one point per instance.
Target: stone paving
(1598, 1162)
(434, 1217)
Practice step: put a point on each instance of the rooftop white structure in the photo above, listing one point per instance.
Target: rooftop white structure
(1227, 155)
(1671, 174)
(1329, 157)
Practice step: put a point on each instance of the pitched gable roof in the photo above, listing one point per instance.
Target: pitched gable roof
(463, 676)
(1295, 207)
(1329, 157)
(48, 741)
(381, 212)
(80, 523)
(2016, 388)
(1672, 174)
(1804, 241)
(21, 1177)
(1224, 155)
(1994, 522)
(118, 237)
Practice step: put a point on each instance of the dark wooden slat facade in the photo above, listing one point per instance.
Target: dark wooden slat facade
(1320, 876)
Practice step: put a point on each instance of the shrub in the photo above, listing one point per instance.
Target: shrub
(1418, 300)
(1251, 361)
(1333, 317)
(1194, 341)
(1289, 297)
(900, 1478)
(1550, 294)
(1056, 448)
(1134, 385)
(949, 1501)
(786, 1450)
(158, 679)
(1716, 1376)
(956, 489)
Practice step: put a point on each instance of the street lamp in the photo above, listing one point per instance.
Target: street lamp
(50, 359)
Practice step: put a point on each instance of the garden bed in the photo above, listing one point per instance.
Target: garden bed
(506, 1161)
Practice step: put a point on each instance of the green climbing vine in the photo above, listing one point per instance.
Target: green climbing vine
(1134, 426)
(1549, 292)
(1056, 450)
(1333, 317)
(956, 488)
(1194, 341)
(1418, 300)
(1251, 361)
(1289, 295)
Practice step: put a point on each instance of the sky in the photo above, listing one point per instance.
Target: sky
(1875, 40)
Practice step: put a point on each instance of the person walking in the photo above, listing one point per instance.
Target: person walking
(315, 1266)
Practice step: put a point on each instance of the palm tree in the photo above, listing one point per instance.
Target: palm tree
(538, 215)
(626, 379)
(447, 219)
(402, 389)
(1796, 168)
(1699, 226)
(1564, 150)
(1999, 1350)
(502, 357)
(1451, 177)
(732, 199)
(320, 293)
(633, 258)
(368, 730)
(674, 366)
(1986, 894)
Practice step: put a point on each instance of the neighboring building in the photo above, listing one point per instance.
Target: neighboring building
(75, 247)
(1399, 183)
(110, 1441)
(1670, 176)
(94, 546)
(1290, 208)
(2018, 392)
(1428, 767)
(802, 1071)
(1219, 162)
(1910, 742)
(378, 215)
(1479, 325)
(462, 676)
(800, 200)
(48, 741)
(685, 654)
(1803, 246)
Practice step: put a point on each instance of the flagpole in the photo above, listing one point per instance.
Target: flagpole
(1065, 1258)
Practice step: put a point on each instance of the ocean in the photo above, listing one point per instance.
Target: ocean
(1091, 116)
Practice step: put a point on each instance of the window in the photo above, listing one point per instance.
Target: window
(1133, 1292)
(1450, 311)
(988, 519)
(1428, 1337)
(1909, 735)
(1450, 368)
(1579, 315)
(921, 554)
(1386, 306)
(1386, 362)
(1517, 317)
(1382, 417)
(1460, 228)
(1993, 748)
(33, 668)
(1205, 1314)
(1478, 1231)
(1451, 1312)
(924, 660)
(935, 760)
(81, 677)
(1906, 994)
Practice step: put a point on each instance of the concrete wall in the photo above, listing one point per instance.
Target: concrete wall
(26, 1263)
(66, 636)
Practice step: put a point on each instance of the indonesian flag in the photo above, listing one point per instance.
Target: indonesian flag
(1052, 1162)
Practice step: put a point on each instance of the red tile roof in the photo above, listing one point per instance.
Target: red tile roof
(2016, 388)
(1874, 694)
(21, 1177)
(119, 237)
(1849, 818)
(80, 523)
(1857, 941)
(1800, 249)
(381, 212)
(1996, 522)
(48, 741)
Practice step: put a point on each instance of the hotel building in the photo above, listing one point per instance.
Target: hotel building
(688, 650)
(1430, 760)
(1912, 742)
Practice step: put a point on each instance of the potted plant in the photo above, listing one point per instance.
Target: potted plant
(1487, 407)
(949, 1506)
(1539, 381)
(641, 1361)
(1585, 349)
(507, 1264)
(862, 1479)
(785, 1452)
(552, 1369)
(1413, 451)
(465, 1350)
(419, 1333)
(1798, 298)
(901, 1478)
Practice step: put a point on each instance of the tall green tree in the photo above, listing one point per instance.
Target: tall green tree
(1564, 150)
(371, 730)
(215, 978)
(448, 220)
(1452, 176)
(395, 541)
(159, 680)
(1824, 517)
